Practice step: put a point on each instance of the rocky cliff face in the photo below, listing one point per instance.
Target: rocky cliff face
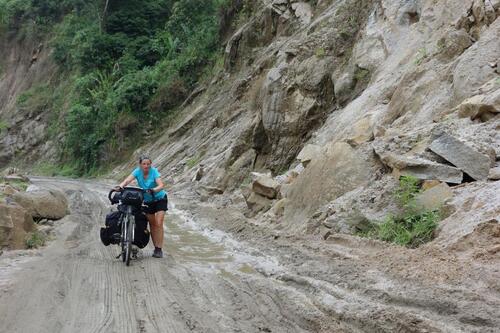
(25, 65)
(376, 89)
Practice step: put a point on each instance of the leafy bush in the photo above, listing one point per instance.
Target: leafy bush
(35, 240)
(133, 91)
(410, 230)
(99, 50)
(414, 227)
(408, 190)
(137, 17)
(36, 15)
(82, 119)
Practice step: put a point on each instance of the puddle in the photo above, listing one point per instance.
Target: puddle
(189, 246)
(247, 269)
(190, 242)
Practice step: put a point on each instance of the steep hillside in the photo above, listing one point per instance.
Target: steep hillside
(379, 88)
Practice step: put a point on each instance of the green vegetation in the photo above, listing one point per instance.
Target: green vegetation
(36, 99)
(246, 181)
(35, 240)
(421, 56)
(414, 227)
(18, 184)
(320, 52)
(52, 170)
(362, 76)
(193, 161)
(407, 191)
(127, 65)
(411, 230)
(3, 126)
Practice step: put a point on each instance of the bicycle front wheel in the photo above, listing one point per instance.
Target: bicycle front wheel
(130, 238)
(124, 224)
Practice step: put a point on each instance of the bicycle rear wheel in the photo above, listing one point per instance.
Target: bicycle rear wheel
(130, 238)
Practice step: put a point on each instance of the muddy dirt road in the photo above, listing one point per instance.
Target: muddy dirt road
(238, 279)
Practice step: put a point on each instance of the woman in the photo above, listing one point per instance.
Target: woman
(149, 179)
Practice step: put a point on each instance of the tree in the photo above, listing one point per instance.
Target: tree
(103, 19)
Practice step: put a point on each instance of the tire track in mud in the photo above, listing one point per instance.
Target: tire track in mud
(163, 304)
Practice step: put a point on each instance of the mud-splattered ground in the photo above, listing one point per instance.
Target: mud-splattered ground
(222, 274)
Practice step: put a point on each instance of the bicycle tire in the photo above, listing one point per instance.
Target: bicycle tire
(130, 238)
(124, 237)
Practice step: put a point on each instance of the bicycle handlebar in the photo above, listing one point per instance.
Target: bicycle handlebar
(111, 197)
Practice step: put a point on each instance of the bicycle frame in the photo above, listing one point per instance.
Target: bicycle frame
(127, 221)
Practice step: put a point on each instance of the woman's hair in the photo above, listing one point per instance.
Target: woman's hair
(144, 157)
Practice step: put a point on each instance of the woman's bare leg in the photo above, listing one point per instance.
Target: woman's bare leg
(152, 227)
(160, 216)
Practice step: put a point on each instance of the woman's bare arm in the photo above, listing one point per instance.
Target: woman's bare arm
(159, 184)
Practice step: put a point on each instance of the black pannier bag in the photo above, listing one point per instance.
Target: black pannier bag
(133, 197)
(111, 233)
(141, 233)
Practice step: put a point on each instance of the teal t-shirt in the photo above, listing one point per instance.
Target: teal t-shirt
(149, 183)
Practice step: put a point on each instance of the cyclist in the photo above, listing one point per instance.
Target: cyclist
(155, 198)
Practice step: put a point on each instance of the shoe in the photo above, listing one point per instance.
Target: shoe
(135, 250)
(158, 253)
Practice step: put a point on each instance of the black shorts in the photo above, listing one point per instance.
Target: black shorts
(156, 206)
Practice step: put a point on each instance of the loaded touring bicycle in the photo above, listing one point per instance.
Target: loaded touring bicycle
(128, 225)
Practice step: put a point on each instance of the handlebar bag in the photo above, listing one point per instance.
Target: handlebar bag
(132, 197)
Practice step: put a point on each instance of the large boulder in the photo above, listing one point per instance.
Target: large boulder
(362, 131)
(339, 170)
(427, 170)
(421, 168)
(472, 69)
(464, 157)
(303, 12)
(344, 86)
(453, 43)
(15, 223)
(48, 204)
(258, 203)
(472, 205)
(308, 153)
(266, 186)
(434, 198)
(494, 173)
(9, 190)
(355, 210)
(483, 106)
